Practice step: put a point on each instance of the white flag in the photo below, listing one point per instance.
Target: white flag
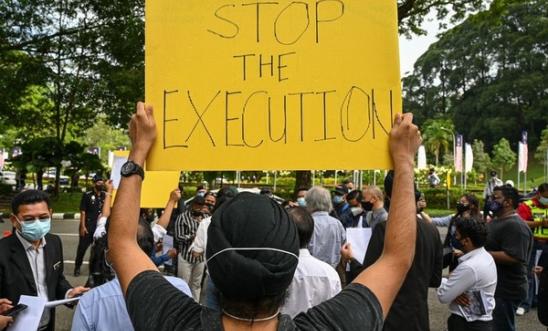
(523, 153)
(468, 158)
(421, 158)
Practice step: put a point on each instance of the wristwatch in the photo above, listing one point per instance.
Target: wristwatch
(131, 168)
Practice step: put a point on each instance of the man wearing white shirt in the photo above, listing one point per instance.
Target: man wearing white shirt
(470, 288)
(314, 281)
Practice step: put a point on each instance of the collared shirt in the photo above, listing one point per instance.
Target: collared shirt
(104, 307)
(313, 283)
(476, 272)
(38, 265)
(328, 237)
(185, 231)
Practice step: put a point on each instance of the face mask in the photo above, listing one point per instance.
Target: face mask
(461, 208)
(36, 230)
(543, 201)
(494, 207)
(337, 199)
(356, 210)
(201, 194)
(458, 245)
(367, 206)
(301, 202)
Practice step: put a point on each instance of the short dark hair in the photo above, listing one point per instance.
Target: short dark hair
(509, 193)
(543, 188)
(299, 189)
(356, 194)
(266, 305)
(28, 197)
(473, 228)
(305, 224)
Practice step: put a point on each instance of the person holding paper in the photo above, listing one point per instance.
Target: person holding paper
(252, 255)
(31, 260)
(104, 308)
(470, 288)
(5, 321)
(424, 273)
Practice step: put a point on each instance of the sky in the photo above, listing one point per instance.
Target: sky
(411, 50)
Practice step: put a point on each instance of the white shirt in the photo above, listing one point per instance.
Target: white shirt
(38, 266)
(158, 231)
(476, 271)
(313, 283)
(200, 241)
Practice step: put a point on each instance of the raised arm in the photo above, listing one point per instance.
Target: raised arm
(166, 216)
(105, 212)
(385, 277)
(127, 258)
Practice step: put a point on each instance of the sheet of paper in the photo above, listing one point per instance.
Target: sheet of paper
(167, 245)
(29, 319)
(56, 303)
(537, 258)
(359, 240)
(120, 157)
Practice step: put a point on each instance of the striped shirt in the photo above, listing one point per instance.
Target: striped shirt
(185, 231)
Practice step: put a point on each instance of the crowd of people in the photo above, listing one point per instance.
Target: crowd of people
(244, 261)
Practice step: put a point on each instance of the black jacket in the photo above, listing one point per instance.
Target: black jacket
(16, 277)
(409, 311)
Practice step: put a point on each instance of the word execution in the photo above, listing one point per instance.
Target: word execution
(236, 84)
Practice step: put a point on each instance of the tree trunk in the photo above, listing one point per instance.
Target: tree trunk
(39, 179)
(57, 179)
(303, 179)
(437, 154)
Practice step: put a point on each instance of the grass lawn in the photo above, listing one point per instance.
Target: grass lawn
(66, 202)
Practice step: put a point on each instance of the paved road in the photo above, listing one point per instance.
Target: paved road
(67, 230)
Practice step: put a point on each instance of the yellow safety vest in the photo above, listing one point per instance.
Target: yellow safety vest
(539, 214)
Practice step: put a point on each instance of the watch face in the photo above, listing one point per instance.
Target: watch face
(127, 168)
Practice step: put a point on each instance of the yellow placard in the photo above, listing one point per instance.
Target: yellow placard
(249, 85)
(157, 185)
(156, 188)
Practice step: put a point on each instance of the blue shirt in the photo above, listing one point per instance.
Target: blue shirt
(328, 237)
(104, 307)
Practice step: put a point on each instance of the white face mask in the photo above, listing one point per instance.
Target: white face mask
(356, 210)
(543, 201)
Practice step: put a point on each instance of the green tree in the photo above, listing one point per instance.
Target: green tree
(504, 157)
(105, 136)
(542, 149)
(488, 74)
(438, 134)
(482, 160)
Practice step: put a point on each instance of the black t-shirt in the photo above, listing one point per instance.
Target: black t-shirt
(154, 304)
(513, 236)
(92, 204)
(410, 308)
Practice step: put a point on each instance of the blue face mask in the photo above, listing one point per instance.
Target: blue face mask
(301, 202)
(35, 230)
(337, 199)
(494, 207)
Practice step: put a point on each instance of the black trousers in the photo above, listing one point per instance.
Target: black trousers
(458, 323)
(83, 244)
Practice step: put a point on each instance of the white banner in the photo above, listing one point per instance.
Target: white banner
(421, 158)
(469, 158)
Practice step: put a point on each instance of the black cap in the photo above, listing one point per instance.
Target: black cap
(493, 173)
(340, 190)
(97, 178)
(198, 200)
